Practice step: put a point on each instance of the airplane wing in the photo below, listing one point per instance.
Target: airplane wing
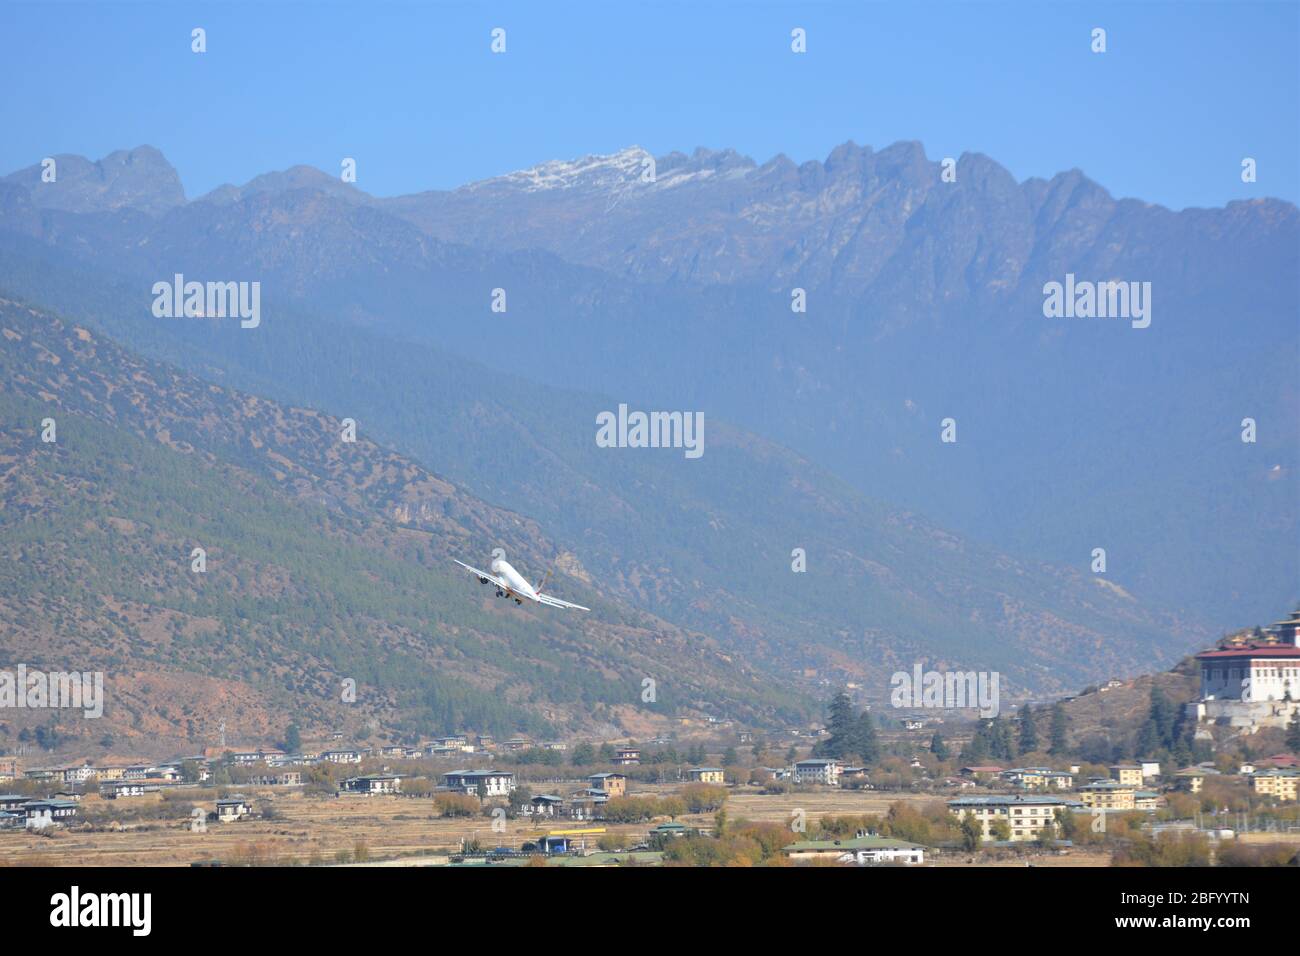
(484, 574)
(556, 602)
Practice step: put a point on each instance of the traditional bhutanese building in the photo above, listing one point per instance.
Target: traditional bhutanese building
(1252, 679)
(1253, 672)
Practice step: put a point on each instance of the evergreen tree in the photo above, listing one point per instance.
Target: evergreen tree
(981, 744)
(1028, 732)
(1148, 739)
(938, 747)
(840, 724)
(1060, 740)
(995, 739)
(865, 744)
(1162, 715)
(1293, 733)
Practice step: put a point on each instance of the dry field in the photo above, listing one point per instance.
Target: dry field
(779, 808)
(310, 829)
(400, 831)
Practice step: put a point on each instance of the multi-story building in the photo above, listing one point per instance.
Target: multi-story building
(1277, 783)
(234, 808)
(495, 783)
(818, 771)
(1129, 774)
(374, 784)
(287, 778)
(341, 756)
(610, 784)
(42, 813)
(1039, 778)
(707, 775)
(862, 849)
(1252, 683)
(1108, 795)
(1026, 816)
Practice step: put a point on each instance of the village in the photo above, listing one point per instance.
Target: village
(468, 799)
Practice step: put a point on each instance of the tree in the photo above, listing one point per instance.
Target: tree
(850, 734)
(1028, 732)
(938, 747)
(840, 727)
(992, 739)
(864, 743)
(1060, 741)
(971, 832)
(978, 748)
(292, 739)
(518, 797)
(584, 755)
(1162, 716)
(1067, 824)
(1148, 739)
(1293, 733)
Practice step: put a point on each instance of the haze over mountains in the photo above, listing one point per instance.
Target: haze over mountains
(924, 302)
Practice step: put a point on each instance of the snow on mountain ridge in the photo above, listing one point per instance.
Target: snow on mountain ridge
(591, 172)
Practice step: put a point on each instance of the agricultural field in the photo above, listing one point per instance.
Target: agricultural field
(297, 828)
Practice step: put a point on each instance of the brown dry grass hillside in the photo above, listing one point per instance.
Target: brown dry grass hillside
(1117, 712)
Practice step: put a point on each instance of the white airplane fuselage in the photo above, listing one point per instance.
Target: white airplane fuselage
(518, 585)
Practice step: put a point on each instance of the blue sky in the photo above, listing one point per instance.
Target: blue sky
(413, 93)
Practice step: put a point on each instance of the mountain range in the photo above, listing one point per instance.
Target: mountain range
(924, 301)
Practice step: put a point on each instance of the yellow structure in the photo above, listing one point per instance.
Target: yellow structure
(1130, 775)
(707, 775)
(1276, 783)
(1108, 795)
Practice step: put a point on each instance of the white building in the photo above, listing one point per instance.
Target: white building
(1250, 685)
(1025, 815)
(495, 783)
(864, 849)
(818, 771)
(341, 756)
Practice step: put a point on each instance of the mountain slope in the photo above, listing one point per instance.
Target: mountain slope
(706, 543)
(924, 302)
(325, 561)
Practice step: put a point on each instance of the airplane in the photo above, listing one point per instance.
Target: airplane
(510, 584)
